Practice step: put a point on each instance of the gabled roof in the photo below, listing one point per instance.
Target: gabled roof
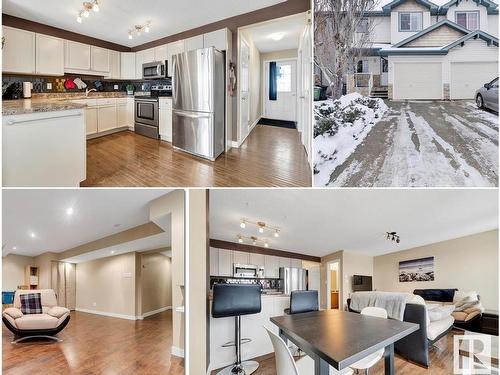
(491, 6)
(431, 28)
(488, 38)
(432, 7)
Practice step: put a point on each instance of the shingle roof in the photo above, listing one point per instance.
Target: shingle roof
(431, 28)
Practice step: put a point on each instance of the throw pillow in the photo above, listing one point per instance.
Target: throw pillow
(31, 303)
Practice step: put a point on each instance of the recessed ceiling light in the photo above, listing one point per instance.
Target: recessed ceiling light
(32, 235)
(112, 251)
(69, 211)
(277, 36)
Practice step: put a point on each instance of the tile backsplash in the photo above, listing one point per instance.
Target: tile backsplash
(40, 83)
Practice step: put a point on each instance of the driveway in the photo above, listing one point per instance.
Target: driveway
(426, 144)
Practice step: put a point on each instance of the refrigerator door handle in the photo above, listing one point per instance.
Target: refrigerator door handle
(192, 114)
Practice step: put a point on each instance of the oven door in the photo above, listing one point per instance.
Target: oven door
(146, 112)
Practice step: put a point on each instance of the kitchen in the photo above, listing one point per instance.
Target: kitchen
(107, 107)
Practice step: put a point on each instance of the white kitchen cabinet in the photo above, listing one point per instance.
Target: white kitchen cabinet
(285, 262)
(130, 113)
(165, 126)
(257, 259)
(106, 117)
(76, 56)
(127, 65)
(91, 120)
(149, 55)
(49, 55)
(225, 262)
(18, 54)
(173, 49)
(121, 115)
(143, 57)
(114, 65)
(161, 53)
(272, 266)
(217, 39)
(214, 261)
(296, 263)
(99, 59)
(240, 257)
(193, 43)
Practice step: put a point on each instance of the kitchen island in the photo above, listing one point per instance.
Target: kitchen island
(43, 143)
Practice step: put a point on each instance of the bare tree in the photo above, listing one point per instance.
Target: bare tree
(337, 42)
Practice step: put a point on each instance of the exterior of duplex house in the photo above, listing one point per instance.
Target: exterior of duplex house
(421, 50)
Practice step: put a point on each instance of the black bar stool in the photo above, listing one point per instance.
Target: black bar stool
(237, 300)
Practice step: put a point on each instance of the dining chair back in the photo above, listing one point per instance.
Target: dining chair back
(285, 364)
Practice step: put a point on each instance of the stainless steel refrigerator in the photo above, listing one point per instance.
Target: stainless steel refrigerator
(293, 279)
(198, 96)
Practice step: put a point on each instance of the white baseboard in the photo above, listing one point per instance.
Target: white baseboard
(178, 352)
(166, 138)
(105, 313)
(149, 313)
(237, 144)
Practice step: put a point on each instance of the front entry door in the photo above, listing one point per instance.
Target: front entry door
(285, 105)
(384, 71)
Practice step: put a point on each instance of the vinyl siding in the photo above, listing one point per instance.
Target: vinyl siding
(442, 36)
(471, 6)
(408, 6)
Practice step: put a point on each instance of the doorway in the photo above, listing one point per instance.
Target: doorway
(384, 69)
(333, 284)
(283, 106)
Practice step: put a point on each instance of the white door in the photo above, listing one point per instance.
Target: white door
(384, 70)
(285, 105)
(467, 77)
(244, 88)
(418, 80)
(304, 77)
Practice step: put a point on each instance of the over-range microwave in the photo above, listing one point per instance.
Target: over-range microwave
(155, 70)
(247, 270)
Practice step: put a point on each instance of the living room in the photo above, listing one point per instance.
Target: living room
(427, 258)
(106, 268)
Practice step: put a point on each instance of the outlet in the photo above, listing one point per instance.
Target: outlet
(115, 87)
(49, 86)
(94, 304)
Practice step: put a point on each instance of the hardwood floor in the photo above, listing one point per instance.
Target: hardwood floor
(441, 359)
(270, 156)
(95, 344)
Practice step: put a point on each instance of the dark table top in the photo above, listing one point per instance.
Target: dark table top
(339, 337)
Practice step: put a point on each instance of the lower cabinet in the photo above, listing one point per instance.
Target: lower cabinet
(165, 118)
(121, 115)
(106, 117)
(91, 120)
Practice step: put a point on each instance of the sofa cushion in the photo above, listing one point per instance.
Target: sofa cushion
(58, 311)
(13, 312)
(462, 316)
(31, 303)
(36, 321)
(434, 329)
(440, 312)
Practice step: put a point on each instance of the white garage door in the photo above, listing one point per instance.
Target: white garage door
(467, 77)
(417, 81)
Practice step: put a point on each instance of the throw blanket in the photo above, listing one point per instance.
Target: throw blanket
(393, 303)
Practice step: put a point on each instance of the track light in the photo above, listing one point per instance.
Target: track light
(276, 233)
(95, 7)
(242, 223)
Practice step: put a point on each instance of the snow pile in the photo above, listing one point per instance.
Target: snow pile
(340, 126)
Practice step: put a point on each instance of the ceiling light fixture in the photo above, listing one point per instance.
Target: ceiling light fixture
(254, 240)
(243, 223)
(79, 18)
(277, 36)
(69, 211)
(14, 248)
(32, 235)
(261, 226)
(87, 7)
(139, 29)
(276, 233)
(112, 251)
(95, 7)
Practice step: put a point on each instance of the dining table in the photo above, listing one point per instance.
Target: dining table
(339, 338)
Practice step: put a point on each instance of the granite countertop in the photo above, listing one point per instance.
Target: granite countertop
(27, 106)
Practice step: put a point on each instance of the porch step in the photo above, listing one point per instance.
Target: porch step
(379, 92)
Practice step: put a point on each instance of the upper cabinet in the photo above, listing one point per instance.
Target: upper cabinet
(161, 53)
(76, 56)
(114, 65)
(191, 44)
(49, 55)
(99, 59)
(18, 54)
(127, 64)
(217, 39)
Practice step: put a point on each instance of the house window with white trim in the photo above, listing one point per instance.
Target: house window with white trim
(469, 20)
(362, 26)
(410, 21)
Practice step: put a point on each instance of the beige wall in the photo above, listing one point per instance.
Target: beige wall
(279, 55)
(254, 78)
(13, 270)
(156, 282)
(44, 264)
(109, 283)
(467, 263)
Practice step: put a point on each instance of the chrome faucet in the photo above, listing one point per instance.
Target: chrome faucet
(87, 91)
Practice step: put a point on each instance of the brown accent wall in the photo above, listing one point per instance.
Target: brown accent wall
(219, 244)
(284, 9)
(21, 23)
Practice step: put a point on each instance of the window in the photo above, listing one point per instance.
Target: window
(411, 21)
(362, 66)
(284, 80)
(469, 20)
(363, 26)
(494, 84)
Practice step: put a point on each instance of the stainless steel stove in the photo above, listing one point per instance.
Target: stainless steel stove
(147, 115)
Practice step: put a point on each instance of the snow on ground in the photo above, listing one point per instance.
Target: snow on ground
(340, 126)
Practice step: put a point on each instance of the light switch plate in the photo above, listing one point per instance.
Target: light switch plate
(127, 275)
(49, 86)
(115, 87)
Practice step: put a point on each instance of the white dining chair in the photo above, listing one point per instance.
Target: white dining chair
(367, 362)
(286, 365)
